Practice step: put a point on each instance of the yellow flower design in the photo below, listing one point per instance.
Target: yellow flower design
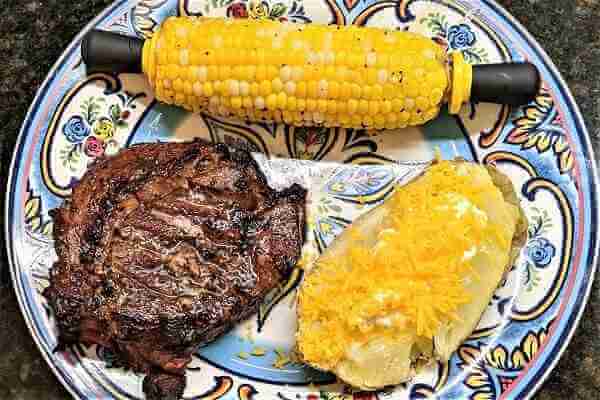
(337, 187)
(540, 128)
(104, 128)
(258, 10)
(326, 228)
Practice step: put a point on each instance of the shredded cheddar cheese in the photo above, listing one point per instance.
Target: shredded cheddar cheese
(410, 278)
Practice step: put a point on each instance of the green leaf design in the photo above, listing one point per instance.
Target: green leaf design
(91, 109)
(278, 10)
(48, 228)
(115, 112)
(32, 207)
(437, 23)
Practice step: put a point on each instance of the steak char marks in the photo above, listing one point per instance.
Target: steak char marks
(164, 247)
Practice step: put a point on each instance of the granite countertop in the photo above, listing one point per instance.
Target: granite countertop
(33, 35)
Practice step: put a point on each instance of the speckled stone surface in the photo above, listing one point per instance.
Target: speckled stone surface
(33, 35)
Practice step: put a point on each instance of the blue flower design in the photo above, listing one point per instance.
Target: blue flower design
(460, 36)
(540, 251)
(76, 129)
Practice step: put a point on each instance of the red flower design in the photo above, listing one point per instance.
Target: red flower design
(237, 10)
(93, 147)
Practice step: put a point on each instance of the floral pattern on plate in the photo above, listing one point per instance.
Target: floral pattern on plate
(543, 147)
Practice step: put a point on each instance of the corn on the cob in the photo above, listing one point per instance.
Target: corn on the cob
(350, 76)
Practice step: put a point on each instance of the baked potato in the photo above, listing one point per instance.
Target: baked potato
(408, 281)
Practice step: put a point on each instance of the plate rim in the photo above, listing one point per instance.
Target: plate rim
(581, 301)
(50, 75)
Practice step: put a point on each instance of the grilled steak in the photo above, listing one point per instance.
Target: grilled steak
(164, 247)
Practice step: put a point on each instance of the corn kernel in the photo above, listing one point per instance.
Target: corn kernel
(197, 89)
(236, 102)
(187, 88)
(422, 103)
(265, 88)
(412, 88)
(277, 85)
(297, 73)
(323, 89)
(288, 117)
(291, 103)
(172, 72)
(244, 88)
(233, 87)
(285, 73)
(363, 106)
(435, 97)
(352, 106)
(272, 72)
(312, 89)
(261, 73)
(218, 87)
(311, 104)
(331, 106)
(237, 72)
(177, 85)
(249, 72)
(301, 89)
(207, 88)
(367, 92)
(214, 101)
(322, 105)
(386, 106)
(202, 73)
(212, 73)
(281, 100)
(371, 76)
(344, 119)
(371, 59)
(334, 90)
(301, 104)
(345, 90)
(259, 103)
(377, 92)
(254, 89)
(356, 91)
(373, 107)
(382, 60)
(330, 73)
(271, 101)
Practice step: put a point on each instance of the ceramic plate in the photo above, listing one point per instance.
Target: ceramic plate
(543, 147)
